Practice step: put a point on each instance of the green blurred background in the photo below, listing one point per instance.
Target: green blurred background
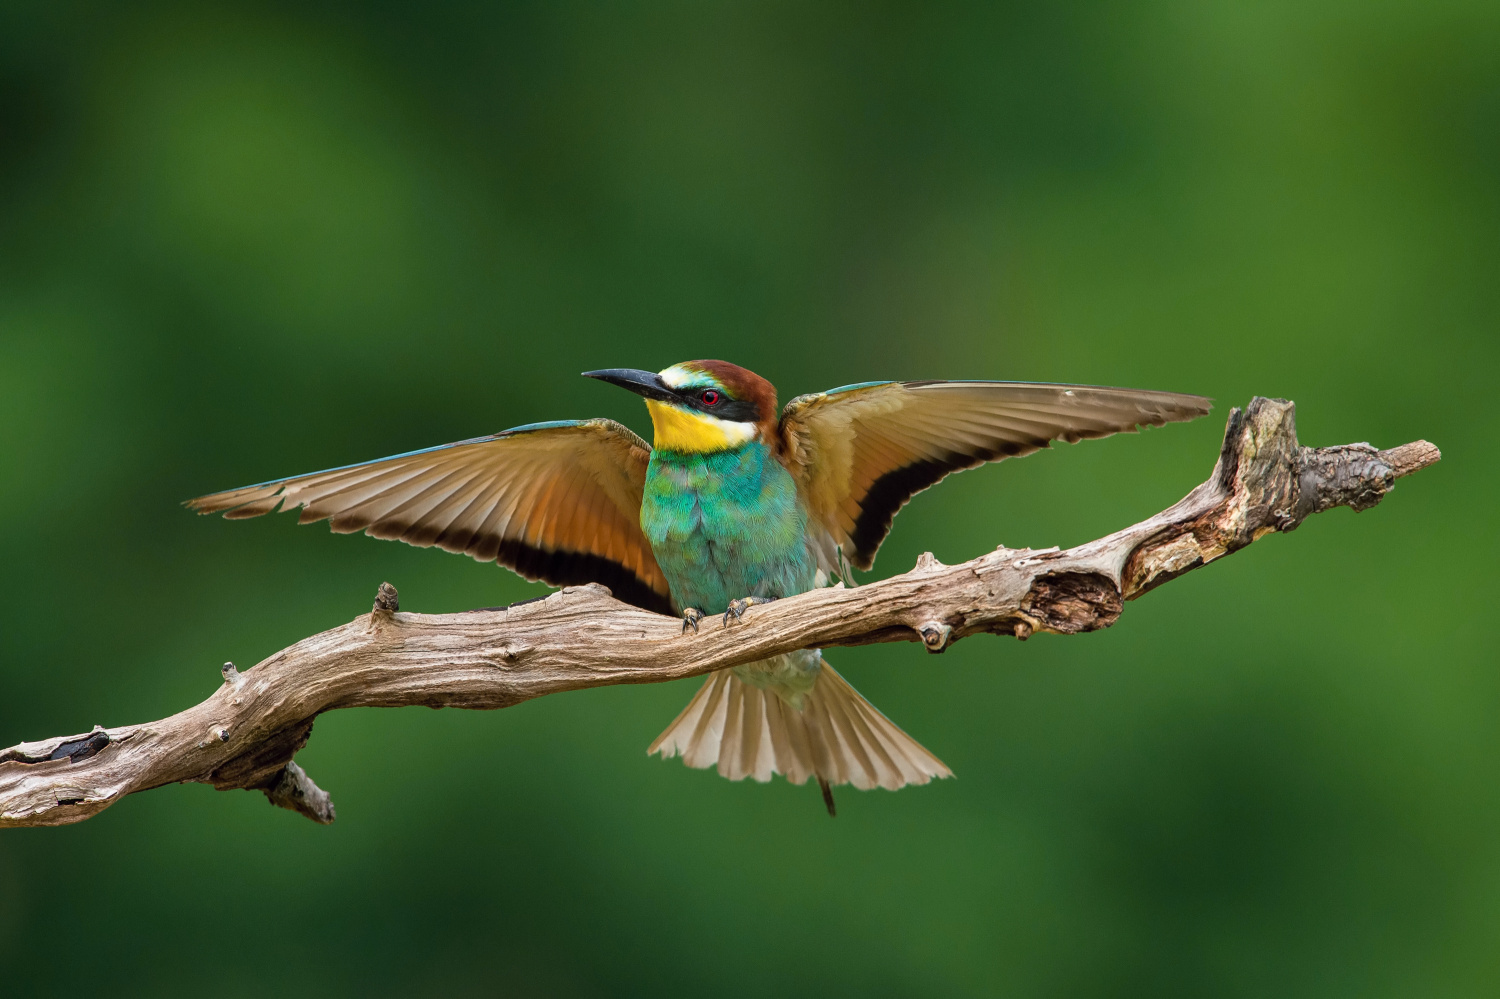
(245, 240)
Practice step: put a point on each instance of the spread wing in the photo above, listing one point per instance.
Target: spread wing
(862, 451)
(559, 502)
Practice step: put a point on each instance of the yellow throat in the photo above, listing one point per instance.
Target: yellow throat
(679, 429)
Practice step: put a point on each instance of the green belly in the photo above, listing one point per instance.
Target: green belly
(726, 525)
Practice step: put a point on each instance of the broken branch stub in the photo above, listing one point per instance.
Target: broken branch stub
(245, 734)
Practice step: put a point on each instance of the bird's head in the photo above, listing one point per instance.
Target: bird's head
(701, 406)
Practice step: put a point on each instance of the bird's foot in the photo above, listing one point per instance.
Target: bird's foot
(738, 607)
(690, 618)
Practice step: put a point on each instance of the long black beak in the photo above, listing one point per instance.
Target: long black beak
(645, 383)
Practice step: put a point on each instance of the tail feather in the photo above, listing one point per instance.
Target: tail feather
(735, 729)
(702, 751)
(791, 755)
(836, 736)
(863, 745)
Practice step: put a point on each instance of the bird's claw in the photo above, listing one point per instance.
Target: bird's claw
(690, 618)
(738, 607)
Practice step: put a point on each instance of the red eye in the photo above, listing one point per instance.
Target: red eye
(710, 398)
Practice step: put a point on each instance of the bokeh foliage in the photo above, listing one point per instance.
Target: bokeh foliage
(247, 240)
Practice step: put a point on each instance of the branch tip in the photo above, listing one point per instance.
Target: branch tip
(1413, 457)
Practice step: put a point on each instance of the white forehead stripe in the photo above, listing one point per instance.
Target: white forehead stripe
(678, 377)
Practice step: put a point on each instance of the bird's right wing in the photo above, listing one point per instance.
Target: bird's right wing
(559, 502)
(862, 451)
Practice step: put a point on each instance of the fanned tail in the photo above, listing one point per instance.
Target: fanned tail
(837, 736)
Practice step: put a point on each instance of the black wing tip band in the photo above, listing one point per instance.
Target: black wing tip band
(889, 493)
(569, 568)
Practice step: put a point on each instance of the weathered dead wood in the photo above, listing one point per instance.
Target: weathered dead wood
(246, 733)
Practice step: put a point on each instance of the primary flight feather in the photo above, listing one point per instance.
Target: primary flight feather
(732, 504)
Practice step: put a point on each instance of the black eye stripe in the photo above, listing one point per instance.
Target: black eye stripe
(727, 407)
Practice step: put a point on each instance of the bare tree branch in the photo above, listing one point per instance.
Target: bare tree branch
(246, 733)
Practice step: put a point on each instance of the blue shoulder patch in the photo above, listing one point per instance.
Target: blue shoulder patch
(856, 385)
(527, 428)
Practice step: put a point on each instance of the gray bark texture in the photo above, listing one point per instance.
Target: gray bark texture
(245, 734)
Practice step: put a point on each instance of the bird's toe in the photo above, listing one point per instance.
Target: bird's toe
(738, 607)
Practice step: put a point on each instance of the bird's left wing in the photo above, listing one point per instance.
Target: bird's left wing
(862, 451)
(559, 502)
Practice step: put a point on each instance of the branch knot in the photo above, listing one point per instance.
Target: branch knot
(387, 600)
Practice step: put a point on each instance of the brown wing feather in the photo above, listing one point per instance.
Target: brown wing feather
(556, 502)
(863, 451)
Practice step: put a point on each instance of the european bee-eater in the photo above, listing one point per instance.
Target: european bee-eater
(731, 505)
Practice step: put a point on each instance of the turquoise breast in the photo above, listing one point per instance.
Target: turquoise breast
(726, 525)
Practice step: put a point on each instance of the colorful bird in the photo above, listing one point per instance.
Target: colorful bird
(731, 505)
